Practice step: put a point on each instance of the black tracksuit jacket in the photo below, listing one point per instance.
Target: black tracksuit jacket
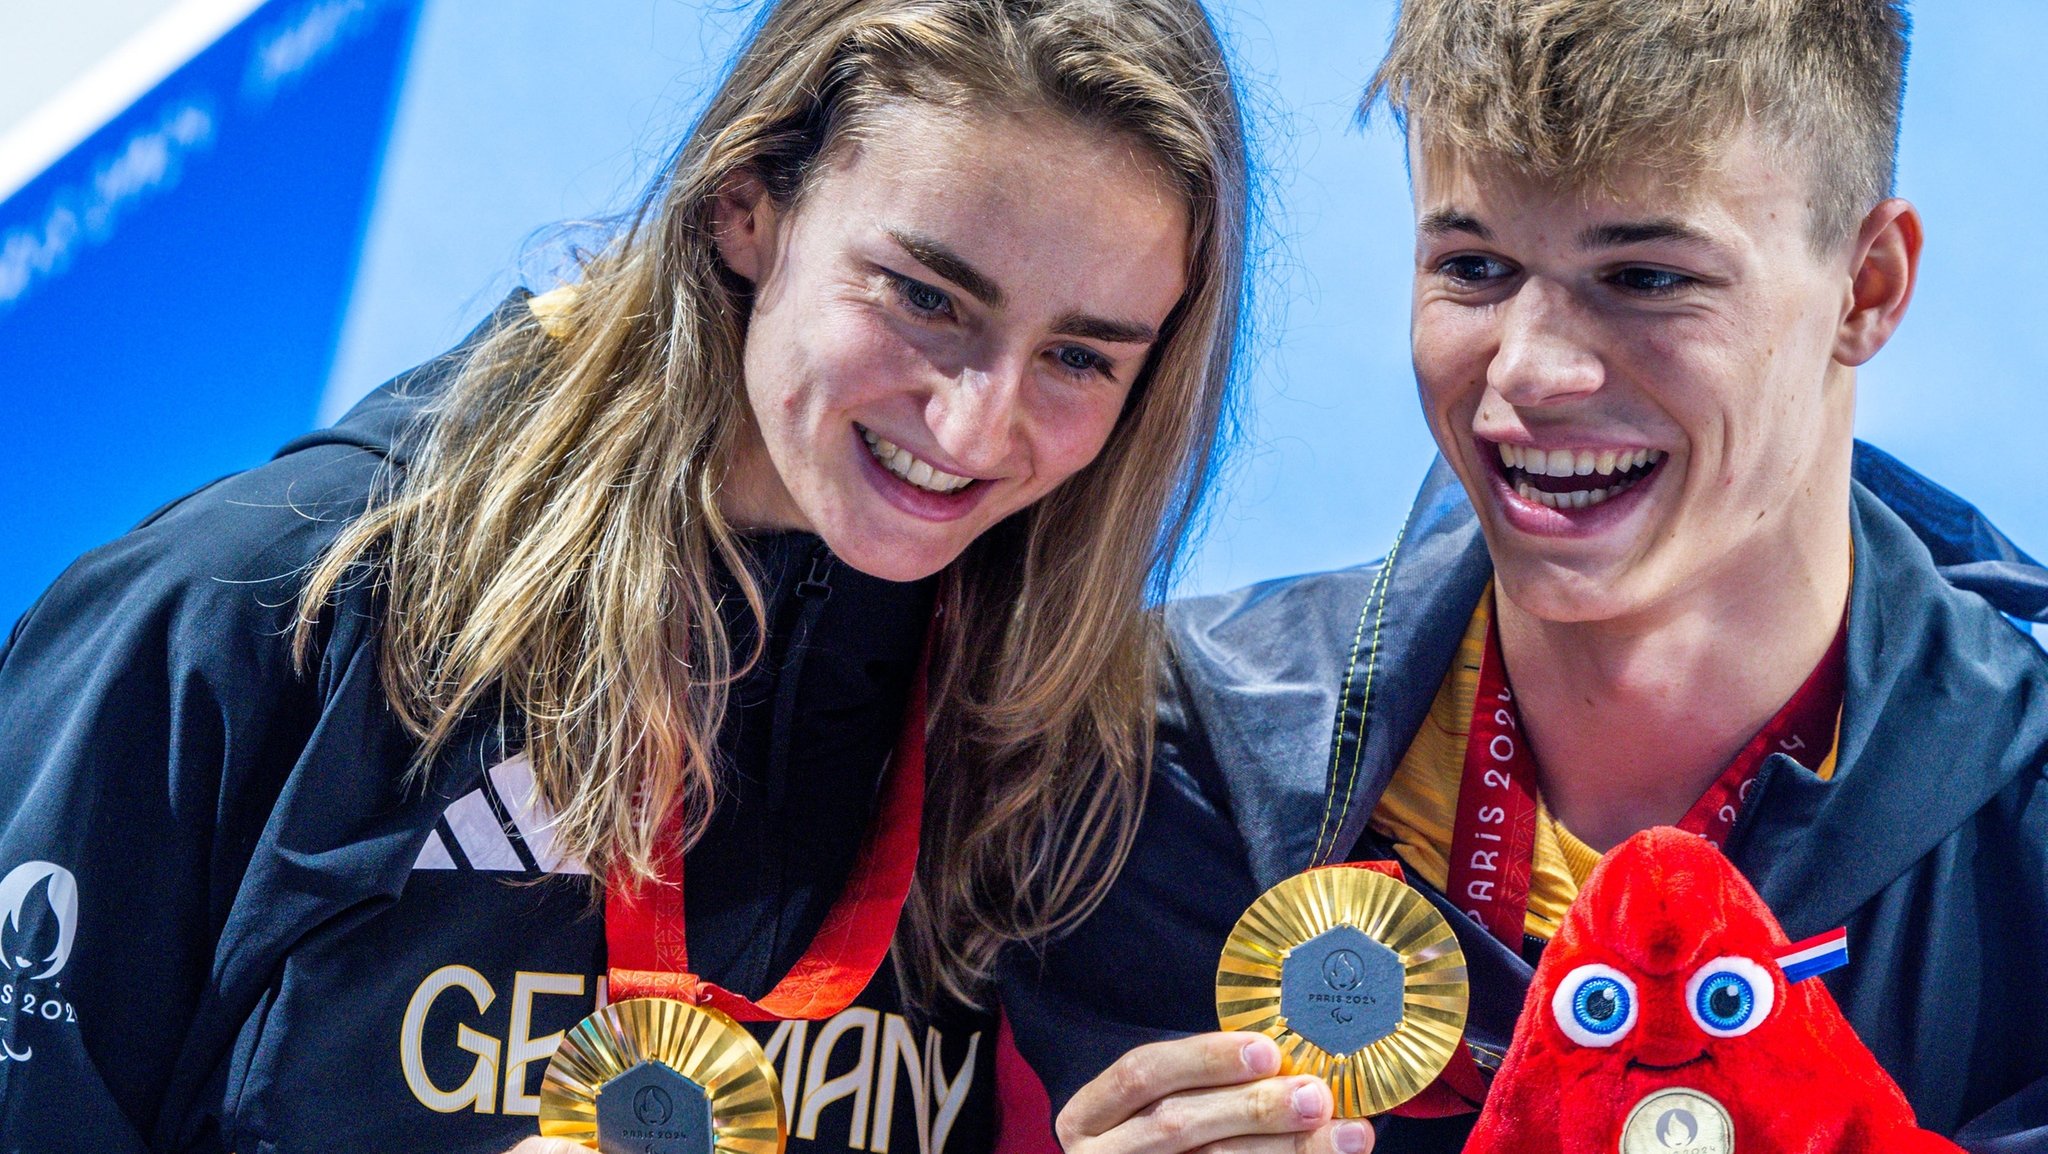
(233, 922)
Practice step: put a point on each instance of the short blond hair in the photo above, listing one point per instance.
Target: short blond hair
(1579, 90)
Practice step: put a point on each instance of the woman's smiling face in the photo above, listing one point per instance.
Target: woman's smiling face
(944, 327)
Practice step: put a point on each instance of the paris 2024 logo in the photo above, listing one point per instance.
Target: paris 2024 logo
(38, 924)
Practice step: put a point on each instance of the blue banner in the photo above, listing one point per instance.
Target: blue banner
(171, 291)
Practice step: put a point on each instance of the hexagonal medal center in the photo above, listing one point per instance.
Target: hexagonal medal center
(651, 1109)
(1341, 990)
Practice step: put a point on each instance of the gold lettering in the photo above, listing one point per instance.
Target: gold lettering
(899, 1048)
(480, 1090)
(952, 1095)
(791, 1034)
(520, 1048)
(859, 1081)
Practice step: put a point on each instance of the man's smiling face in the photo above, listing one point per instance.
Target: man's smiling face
(1639, 387)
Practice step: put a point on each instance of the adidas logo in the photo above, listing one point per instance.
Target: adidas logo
(500, 827)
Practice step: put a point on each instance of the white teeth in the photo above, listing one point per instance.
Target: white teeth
(899, 461)
(1534, 462)
(1576, 499)
(1576, 462)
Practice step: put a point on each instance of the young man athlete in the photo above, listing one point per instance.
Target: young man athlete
(1652, 581)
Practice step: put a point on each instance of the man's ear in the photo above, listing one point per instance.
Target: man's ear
(1887, 263)
(744, 223)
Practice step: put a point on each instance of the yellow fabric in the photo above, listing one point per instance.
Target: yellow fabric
(1418, 810)
(1579, 858)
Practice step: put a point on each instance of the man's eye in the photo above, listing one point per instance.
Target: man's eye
(920, 297)
(1653, 282)
(1473, 269)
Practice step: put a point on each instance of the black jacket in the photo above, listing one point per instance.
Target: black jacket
(232, 921)
(1287, 706)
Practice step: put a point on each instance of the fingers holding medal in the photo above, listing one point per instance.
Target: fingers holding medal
(1356, 977)
(1209, 1092)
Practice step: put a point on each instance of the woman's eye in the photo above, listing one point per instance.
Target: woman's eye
(922, 298)
(1729, 997)
(1653, 282)
(1082, 361)
(1595, 1005)
(1473, 269)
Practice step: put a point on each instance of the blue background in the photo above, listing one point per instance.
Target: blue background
(516, 114)
(198, 252)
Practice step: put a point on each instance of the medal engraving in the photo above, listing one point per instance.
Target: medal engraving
(1341, 990)
(1678, 1121)
(651, 1109)
(659, 1076)
(1356, 976)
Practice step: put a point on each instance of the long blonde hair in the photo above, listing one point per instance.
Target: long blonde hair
(550, 549)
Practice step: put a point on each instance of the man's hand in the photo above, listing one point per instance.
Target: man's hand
(1211, 1092)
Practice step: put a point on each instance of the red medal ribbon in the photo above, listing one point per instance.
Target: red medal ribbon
(1493, 843)
(1493, 840)
(647, 944)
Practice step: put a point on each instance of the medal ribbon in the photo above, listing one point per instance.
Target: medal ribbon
(647, 943)
(1493, 843)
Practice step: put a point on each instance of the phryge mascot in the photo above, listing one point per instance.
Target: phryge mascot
(1671, 1015)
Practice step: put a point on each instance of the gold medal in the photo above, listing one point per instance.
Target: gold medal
(1356, 976)
(1678, 1121)
(659, 1076)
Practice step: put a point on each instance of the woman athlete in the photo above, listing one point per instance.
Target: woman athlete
(592, 657)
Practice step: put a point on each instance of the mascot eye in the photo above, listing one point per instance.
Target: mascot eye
(1729, 997)
(1595, 1005)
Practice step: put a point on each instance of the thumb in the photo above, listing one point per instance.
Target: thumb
(1337, 1136)
(549, 1146)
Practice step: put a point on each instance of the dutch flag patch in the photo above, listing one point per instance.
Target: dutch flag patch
(1815, 955)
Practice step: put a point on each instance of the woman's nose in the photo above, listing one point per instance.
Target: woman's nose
(1543, 356)
(975, 416)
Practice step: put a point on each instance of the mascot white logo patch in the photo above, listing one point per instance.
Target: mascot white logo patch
(62, 895)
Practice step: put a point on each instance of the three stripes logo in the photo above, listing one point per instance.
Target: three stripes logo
(498, 827)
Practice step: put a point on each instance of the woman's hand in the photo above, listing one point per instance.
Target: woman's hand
(1213, 1092)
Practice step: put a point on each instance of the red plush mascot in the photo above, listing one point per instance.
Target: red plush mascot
(1661, 1019)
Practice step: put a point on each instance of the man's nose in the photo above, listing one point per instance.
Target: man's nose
(975, 416)
(1543, 355)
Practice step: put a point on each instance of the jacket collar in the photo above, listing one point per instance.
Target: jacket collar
(1940, 715)
(1434, 577)
(1936, 719)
